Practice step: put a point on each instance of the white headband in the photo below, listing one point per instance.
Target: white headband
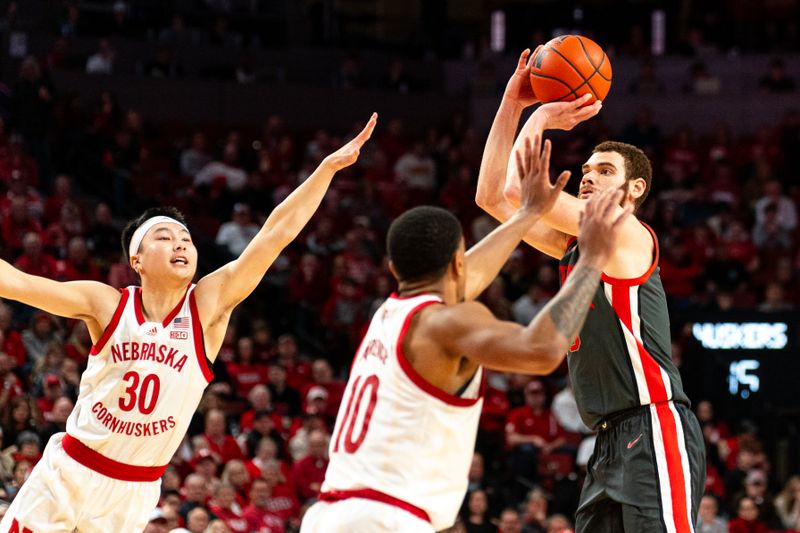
(142, 230)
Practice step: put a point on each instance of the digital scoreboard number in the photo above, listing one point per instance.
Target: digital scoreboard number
(745, 363)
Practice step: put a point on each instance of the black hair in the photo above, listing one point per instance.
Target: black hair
(133, 225)
(421, 242)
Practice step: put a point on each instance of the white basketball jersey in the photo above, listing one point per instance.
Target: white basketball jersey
(396, 433)
(142, 383)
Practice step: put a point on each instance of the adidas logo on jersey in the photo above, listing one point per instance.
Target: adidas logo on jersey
(152, 332)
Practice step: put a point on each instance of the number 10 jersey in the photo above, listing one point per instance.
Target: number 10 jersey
(399, 439)
(142, 383)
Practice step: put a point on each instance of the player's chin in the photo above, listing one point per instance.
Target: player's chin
(585, 195)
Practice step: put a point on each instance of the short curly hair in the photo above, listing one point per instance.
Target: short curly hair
(421, 242)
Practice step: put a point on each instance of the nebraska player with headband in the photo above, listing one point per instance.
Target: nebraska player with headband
(151, 360)
(405, 432)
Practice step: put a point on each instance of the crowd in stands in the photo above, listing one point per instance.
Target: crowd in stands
(724, 207)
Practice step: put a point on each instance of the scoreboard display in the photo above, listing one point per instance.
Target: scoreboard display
(746, 363)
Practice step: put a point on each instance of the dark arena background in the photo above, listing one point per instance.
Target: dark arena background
(222, 107)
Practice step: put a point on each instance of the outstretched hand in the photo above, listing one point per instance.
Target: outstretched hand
(348, 154)
(600, 225)
(567, 115)
(518, 89)
(537, 194)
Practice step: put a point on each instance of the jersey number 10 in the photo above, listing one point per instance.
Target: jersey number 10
(351, 444)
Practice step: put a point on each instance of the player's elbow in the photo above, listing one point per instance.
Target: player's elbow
(550, 355)
(511, 193)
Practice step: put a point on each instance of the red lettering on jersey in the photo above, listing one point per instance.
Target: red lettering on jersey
(96, 407)
(107, 418)
(147, 431)
(135, 351)
(163, 424)
(171, 421)
(115, 355)
(125, 347)
(179, 365)
(15, 528)
(576, 345)
(376, 348)
(161, 354)
(170, 360)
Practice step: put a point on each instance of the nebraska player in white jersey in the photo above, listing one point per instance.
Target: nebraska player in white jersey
(151, 360)
(405, 432)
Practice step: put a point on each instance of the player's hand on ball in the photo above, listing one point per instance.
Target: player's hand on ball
(518, 89)
(348, 154)
(567, 115)
(537, 194)
(600, 225)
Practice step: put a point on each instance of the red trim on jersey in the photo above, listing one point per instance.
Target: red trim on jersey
(137, 306)
(199, 340)
(101, 342)
(644, 277)
(369, 494)
(571, 240)
(109, 467)
(395, 296)
(675, 472)
(416, 378)
(621, 302)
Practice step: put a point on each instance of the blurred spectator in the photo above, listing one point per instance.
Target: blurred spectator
(34, 260)
(78, 265)
(41, 335)
(195, 493)
(747, 519)
(12, 342)
(22, 470)
(103, 237)
(57, 423)
(701, 81)
(776, 80)
(282, 500)
(258, 513)
(558, 523)
(787, 503)
(309, 471)
(263, 426)
(194, 158)
(51, 392)
(786, 211)
(417, 171)
(509, 522)
(218, 439)
(245, 372)
(707, 519)
(285, 400)
(477, 517)
(224, 506)
(755, 489)
(534, 514)
(770, 234)
(774, 299)
(225, 173)
(17, 224)
(531, 430)
(102, 61)
(197, 520)
(11, 384)
(237, 233)
(529, 304)
(565, 410)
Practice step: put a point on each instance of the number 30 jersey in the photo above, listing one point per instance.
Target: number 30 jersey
(142, 383)
(396, 435)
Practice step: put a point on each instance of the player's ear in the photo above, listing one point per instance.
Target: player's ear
(134, 263)
(392, 270)
(637, 187)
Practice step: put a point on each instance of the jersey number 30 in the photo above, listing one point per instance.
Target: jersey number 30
(145, 396)
(351, 414)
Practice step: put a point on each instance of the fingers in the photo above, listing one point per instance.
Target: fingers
(610, 204)
(624, 215)
(533, 56)
(520, 165)
(523, 59)
(562, 181)
(545, 156)
(580, 102)
(587, 112)
(366, 133)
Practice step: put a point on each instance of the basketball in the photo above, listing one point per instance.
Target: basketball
(568, 67)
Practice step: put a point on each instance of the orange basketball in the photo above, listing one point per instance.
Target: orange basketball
(568, 67)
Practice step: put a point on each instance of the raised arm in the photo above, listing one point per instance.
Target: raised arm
(497, 155)
(485, 259)
(90, 301)
(224, 288)
(469, 329)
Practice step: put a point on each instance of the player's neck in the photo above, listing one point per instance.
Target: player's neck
(418, 288)
(158, 300)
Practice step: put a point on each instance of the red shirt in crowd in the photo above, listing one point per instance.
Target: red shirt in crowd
(524, 421)
(237, 523)
(308, 474)
(262, 520)
(226, 450)
(245, 376)
(495, 408)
